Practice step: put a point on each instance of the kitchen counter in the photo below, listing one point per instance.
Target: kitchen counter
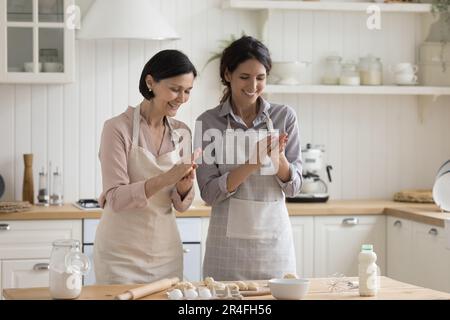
(319, 290)
(424, 213)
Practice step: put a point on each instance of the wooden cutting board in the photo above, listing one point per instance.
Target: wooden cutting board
(319, 290)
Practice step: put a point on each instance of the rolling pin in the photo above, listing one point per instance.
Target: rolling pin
(148, 289)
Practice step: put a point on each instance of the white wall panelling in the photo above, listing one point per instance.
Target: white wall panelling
(376, 144)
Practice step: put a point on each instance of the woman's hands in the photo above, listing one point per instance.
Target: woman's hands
(183, 173)
(266, 146)
(184, 184)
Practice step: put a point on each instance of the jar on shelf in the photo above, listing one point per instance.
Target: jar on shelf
(67, 267)
(370, 71)
(349, 74)
(332, 71)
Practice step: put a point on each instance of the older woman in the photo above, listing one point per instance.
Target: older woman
(137, 240)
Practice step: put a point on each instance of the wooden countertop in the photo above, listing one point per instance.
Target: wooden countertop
(424, 213)
(319, 290)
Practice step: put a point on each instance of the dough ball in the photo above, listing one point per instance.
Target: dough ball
(242, 285)
(208, 281)
(290, 276)
(216, 285)
(233, 286)
(252, 286)
(184, 285)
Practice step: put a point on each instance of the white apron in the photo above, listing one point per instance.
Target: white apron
(141, 245)
(250, 234)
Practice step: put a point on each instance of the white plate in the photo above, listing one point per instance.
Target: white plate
(445, 167)
(441, 191)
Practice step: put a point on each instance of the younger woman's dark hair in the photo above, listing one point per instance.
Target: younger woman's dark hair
(238, 52)
(165, 64)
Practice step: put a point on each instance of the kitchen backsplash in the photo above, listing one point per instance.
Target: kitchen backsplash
(376, 144)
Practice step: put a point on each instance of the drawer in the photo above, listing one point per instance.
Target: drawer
(25, 273)
(33, 239)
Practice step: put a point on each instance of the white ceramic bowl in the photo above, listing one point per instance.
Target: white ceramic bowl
(444, 168)
(286, 72)
(289, 289)
(441, 191)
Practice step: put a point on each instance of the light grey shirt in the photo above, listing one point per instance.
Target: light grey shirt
(213, 184)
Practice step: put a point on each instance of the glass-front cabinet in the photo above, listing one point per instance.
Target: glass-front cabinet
(37, 41)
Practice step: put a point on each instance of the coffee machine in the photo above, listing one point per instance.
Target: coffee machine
(314, 188)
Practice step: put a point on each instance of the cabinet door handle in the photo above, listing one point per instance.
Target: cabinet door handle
(350, 221)
(185, 250)
(41, 266)
(5, 227)
(433, 232)
(397, 223)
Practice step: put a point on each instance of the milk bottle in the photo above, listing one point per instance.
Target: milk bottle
(368, 271)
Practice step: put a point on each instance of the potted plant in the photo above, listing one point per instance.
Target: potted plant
(223, 44)
(441, 10)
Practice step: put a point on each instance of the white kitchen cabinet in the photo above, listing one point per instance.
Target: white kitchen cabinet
(430, 257)
(399, 249)
(25, 273)
(37, 41)
(303, 233)
(191, 234)
(338, 240)
(33, 239)
(25, 249)
(192, 270)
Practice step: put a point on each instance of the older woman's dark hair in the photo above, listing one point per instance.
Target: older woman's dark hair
(165, 64)
(238, 52)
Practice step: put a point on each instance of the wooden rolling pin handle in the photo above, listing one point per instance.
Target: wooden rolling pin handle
(148, 289)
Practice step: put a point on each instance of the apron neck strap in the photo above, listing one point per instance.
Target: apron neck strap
(174, 135)
(136, 124)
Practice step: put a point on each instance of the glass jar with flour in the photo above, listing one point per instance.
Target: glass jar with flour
(349, 74)
(370, 71)
(67, 267)
(332, 70)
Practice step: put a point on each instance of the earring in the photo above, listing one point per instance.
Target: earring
(149, 89)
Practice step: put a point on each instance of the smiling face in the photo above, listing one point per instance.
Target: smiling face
(247, 82)
(171, 93)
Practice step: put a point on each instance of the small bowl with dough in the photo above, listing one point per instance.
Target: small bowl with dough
(289, 289)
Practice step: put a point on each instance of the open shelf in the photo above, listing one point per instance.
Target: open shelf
(326, 6)
(376, 90)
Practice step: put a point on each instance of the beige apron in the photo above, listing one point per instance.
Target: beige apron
(141, 245)
(250, 234)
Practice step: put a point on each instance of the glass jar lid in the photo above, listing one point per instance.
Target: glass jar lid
(67, 243)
